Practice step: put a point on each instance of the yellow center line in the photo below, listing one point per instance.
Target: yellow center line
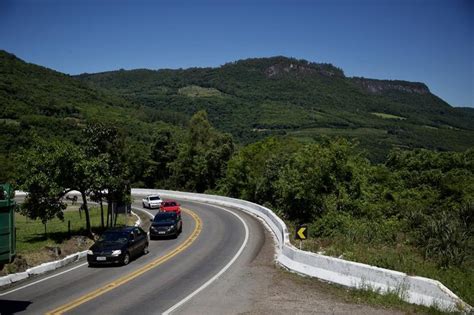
(132, 275)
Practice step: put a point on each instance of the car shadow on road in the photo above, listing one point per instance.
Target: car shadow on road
(163, 238)
(8, 307)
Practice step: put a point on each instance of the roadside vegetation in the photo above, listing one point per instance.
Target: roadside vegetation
(414, 213)
(38, 242)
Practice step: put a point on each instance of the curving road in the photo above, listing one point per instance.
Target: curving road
(213, 240)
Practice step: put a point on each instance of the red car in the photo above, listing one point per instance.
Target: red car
(170, 206)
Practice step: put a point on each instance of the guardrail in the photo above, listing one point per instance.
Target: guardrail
(416, 290)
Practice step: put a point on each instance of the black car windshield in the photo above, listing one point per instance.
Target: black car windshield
(165, 216)
(114, 237)
(155, 198)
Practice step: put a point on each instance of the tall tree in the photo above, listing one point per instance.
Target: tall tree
(163, 152)
(105, 144)
(202, 158)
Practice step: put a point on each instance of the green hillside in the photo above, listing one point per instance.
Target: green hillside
(251, 99)
(37, 102)
(254, 98)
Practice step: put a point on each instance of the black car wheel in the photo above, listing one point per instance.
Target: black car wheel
(126, 259)
(143, 205)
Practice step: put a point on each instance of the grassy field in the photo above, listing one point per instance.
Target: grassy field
(388, 116)
(31, 233)
(197, 91)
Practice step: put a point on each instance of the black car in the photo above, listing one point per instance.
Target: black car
(166, 224)
(118, 246)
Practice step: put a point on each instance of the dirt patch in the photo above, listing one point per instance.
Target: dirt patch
(291, 293)
(47, 254)
(283, 292)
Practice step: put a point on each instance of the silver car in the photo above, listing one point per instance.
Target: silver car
(152, 201)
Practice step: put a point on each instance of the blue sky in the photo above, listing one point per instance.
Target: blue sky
(430, 41)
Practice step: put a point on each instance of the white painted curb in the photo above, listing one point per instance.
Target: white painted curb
(45, 267)
(416, 290)
(139, 221)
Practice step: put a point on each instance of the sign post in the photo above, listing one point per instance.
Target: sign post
(301, 233)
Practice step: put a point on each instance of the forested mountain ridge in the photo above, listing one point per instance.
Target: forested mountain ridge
(251, 99)
(256, 97)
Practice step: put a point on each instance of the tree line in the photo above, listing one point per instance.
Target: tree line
(102, 165)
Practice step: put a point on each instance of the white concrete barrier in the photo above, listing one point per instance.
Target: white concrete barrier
(18, 276)
(416, 290)
(45, 267)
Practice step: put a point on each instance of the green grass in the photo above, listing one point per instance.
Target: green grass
(10, 122)
(341, 132)
(31, 233)
(390, 300)
(197, 91)
(430, 127)
(388, 116)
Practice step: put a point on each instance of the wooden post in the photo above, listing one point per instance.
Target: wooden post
(101, 212)
(69, 228)
(108, 214)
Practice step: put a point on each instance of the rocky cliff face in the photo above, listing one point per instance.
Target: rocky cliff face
(380, 86)
(281, 67)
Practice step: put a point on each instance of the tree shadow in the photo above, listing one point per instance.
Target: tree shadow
(57, 237)
(60, 237)
(8, 307)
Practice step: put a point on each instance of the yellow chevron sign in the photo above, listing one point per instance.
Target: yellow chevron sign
(302, 232)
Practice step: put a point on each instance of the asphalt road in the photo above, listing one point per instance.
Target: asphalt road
(173, 269)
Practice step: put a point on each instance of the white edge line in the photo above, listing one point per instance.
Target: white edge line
(151, 215)
(138, 221)
(41, 280)
(216, 276)
(147, 212)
